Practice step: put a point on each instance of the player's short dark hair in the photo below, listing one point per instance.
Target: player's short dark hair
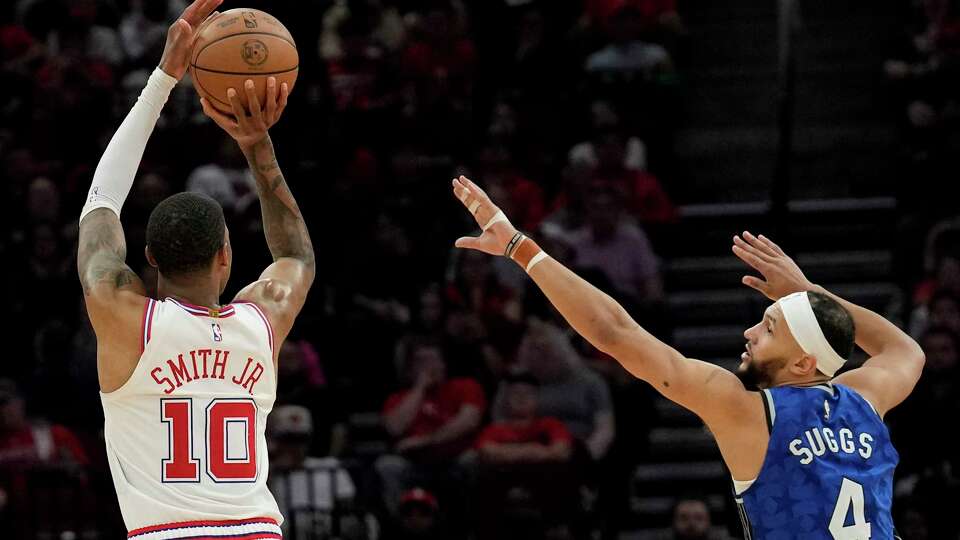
(835, 322)
(184, 232)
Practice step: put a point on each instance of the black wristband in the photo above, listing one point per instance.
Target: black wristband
(512, 244)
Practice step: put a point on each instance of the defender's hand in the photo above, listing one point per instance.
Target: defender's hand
(180, 36)
(249, 129)
(781, 275)
(499, 231)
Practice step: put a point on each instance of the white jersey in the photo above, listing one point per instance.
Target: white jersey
(185, 434)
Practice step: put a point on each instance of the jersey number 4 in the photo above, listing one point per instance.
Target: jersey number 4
(851, 495)
(229, 440)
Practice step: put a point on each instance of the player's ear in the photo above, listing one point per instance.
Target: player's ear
(150, 259)
(805, 366)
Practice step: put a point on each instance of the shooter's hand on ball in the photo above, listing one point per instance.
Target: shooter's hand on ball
(781, 276)
(249, 129)
(176, 53)
(497, 230)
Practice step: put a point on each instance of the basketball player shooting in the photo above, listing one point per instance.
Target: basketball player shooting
(186, 382)
(808, 450)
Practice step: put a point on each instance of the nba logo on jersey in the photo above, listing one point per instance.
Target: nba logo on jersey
(217, 333)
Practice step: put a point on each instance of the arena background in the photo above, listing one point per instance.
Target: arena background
(672, 125)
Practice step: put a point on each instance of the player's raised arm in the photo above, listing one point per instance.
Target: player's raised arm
(108, 283)
(282, 287)
(713, 393)
(896, 360)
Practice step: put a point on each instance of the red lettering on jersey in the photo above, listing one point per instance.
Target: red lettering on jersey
(204, 354)
(254, 377)
(245, 368)
(162, 380)
(220, 363)
(179, 371)
(193, 358)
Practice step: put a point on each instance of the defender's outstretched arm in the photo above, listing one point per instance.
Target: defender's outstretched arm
(713, 393)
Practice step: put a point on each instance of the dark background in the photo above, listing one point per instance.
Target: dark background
(677, 121)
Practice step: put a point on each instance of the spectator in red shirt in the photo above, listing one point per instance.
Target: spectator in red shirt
(657, 17)
(26, 443)
(524, 463)
(523, 437)
(432, 422)
(37, 460)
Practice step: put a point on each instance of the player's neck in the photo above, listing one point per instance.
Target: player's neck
(802, 382)
(200, 292)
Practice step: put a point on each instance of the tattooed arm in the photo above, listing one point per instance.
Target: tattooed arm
(113, 294)
(282, 288)
(101, 257)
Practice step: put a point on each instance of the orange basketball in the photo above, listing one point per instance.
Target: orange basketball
(237, 45)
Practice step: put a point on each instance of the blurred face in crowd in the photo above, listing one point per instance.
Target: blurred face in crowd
(542, 354)
(44, 243)
(691, 520)
(151, 189)
(948, 273)
(417, 519)
(603, 215)
(941, 350)
(290, 361)
(12, 413)
(610, 151)
(769, 346)
(427, 361)
(431, 307)
(945, 311)
(913, 525)
(43, 200)
(521, 400)
(474, 268)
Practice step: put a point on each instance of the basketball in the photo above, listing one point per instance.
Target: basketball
(237, 45)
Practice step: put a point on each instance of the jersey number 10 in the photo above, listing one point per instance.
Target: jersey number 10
(224, 418)
(851, 495)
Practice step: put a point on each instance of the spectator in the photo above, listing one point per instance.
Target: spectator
(302, 382)
(419, 517)
(627, 55)
(431, 422)
(314, 494)
(912, 522)
(569, 391)
(618, 248)
(936, 395)
(691, 520)
(604, 119)
(524, 462)
(39, 464)
(523, 437)
(942, 309)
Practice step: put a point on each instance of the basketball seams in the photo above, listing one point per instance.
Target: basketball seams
(207, 93)
(257, 73)
(221, 38)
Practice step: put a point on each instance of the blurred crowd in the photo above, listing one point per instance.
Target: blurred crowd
(426, 393)
(924, 78)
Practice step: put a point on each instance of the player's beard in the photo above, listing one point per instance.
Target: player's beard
(759, 375)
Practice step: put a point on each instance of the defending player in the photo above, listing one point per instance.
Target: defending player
(809, 453)
(187, 383)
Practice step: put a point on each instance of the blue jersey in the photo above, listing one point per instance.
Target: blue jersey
(828, 470)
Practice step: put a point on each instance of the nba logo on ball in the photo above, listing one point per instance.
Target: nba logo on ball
(254, 52)
(249, 20)
(217, 333)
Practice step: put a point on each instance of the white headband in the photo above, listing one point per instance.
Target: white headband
(805, 329)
